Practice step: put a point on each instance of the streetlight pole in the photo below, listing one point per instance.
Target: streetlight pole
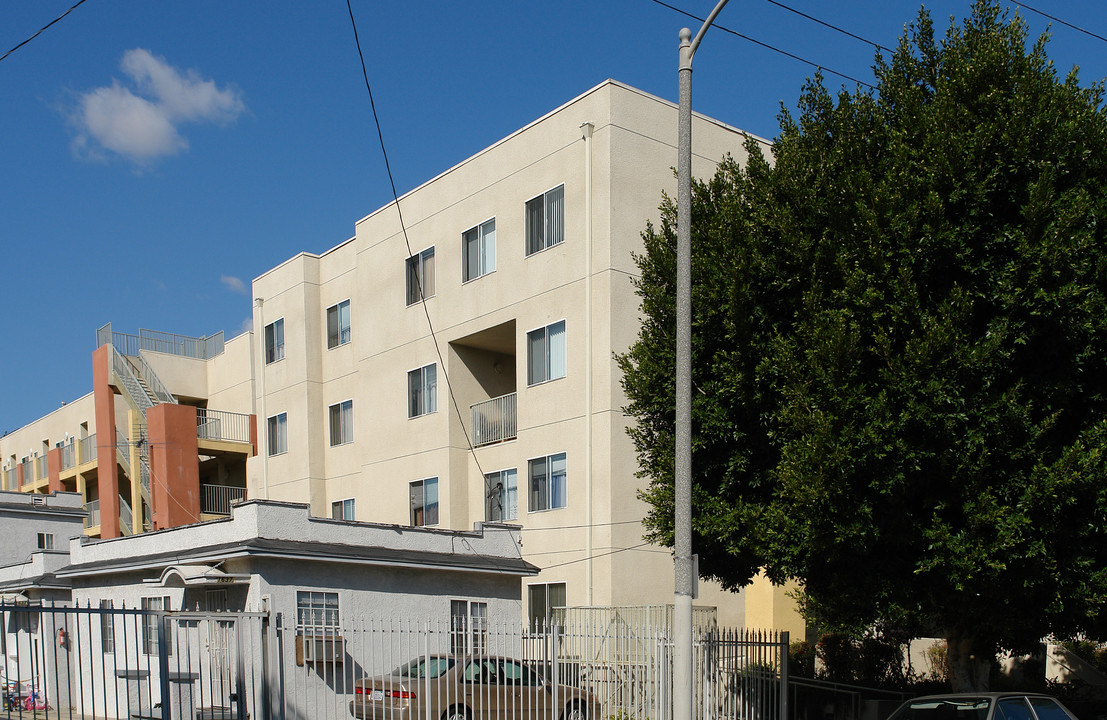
(684, 566)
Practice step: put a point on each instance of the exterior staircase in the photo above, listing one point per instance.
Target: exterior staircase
(143, 389)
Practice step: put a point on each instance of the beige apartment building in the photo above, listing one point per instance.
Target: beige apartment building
(453, 368)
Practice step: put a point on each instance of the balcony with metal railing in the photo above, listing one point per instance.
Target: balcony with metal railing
(217, 499)
(93, 519)
(10, 479)
(494, 421)
(220, 425)
(88, 448)
(69, 455)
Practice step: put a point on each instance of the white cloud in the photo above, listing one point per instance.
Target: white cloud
(233, 284)
(141, 121)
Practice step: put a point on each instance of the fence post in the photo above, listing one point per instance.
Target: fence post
(163, 663)
(784, 643)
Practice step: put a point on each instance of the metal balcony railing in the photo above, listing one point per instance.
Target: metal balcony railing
(10, 479)
(217, 499)
(125, 516)
(88, 448)
(93, 518)
(42, 470)
(222, 425)
(68, 455)
(494, 420)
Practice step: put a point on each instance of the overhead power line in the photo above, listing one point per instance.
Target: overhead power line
(1059, 20)
(747, 38)
(876, 45)
(44, 28)
(407, 244)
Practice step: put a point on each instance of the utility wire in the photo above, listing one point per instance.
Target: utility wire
(591, 557)
(1058, 20)
(577, 527)
(407, 243)
(767, 46)
(876, 45)
(44, 27)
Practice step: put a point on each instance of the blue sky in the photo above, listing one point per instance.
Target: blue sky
(160, 155)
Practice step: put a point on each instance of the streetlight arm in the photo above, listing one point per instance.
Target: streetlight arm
(703, 30)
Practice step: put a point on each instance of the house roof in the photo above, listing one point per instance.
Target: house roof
(45, 581)
(307, 550)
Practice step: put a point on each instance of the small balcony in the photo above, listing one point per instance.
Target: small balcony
(93, 519)
(68, 455)
(217, 499)
(219, 425)
(494, 421)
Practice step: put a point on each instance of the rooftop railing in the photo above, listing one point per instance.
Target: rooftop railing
(494, 420)
(202, 348)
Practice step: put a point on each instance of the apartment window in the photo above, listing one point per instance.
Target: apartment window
(547, 483)
(46, 541)
(107, 627)
(278, 434)
(150, 625)
(316, 612)
(468, 627)
(424, 502)
(420, 275)
(546, 353)
(501, 495)
(541, 601)
(422, 391)
(343, 509)
(479, 250)
(274, 341)
(338, 324)
(546, 220)
(342, 423)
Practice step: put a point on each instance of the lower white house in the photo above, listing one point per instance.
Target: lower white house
(217, 612)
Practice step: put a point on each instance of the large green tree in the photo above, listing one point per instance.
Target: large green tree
(900, 350)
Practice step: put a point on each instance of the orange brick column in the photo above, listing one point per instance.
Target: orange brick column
(53, 469)
(174, 464)
(19, 476)
(107, 478)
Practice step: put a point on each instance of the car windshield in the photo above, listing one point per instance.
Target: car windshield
(944, 709)
(431, 667)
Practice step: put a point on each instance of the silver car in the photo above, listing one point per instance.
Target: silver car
(474, 687)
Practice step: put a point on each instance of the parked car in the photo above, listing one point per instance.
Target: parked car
(475, 687)
(983, 706)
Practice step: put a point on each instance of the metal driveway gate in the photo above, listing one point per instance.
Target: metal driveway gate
(108, 662)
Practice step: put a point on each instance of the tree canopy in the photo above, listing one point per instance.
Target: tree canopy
(900, 348)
